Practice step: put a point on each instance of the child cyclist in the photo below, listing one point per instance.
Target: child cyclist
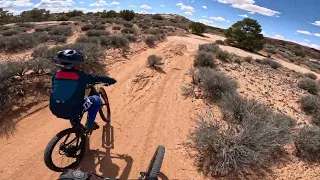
(68, 89)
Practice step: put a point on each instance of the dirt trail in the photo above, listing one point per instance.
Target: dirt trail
(147, 110)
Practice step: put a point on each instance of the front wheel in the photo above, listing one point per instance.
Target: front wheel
(65, 150)
(155, 164)
(105, 112)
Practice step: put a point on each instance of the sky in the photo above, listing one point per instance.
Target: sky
(292, 20)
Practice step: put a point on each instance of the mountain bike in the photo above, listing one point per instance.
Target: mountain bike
(70, 143)
(151, 173)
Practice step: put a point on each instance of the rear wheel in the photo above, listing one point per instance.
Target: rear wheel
(105, 112)
(65, 150)
(155, 164)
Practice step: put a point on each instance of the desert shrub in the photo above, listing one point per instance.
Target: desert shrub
(143, 26)
(157, 17)
(127, 15)
(233, 153)
(46, 28)
(150, 40)
(308, 143)
(99, 26)
(271, 50)
(248, 59)
(63, 18)
(128, 25)
(160, 37)
(211, 47)
(87, 27)
(273, 64)
(310, 104)
(85, 39)
(197, 28)
(215, 84)
(4, 28)
(128, 31)
(65, 23)
(9, 32)
(10, 68)
(116, 28)
(297, 50)
(27, 25)
(109, 14)
(114, 41)
(58, 38)
(204, 59)
(173, 20)
(94, 52)
(22, 29)
(153, 61)
(130, 37)
(65, 31)
(97, 33)
(220, 42)
(246, 34)
(309, 85)
(311, 76)
(224, 55)
(155, 31)
(237, 60)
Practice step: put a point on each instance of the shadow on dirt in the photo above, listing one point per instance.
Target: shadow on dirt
(159, 69)
(103, 159)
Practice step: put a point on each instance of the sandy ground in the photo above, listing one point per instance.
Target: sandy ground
(148, 110)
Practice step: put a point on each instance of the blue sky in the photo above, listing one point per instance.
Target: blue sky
(292, 20)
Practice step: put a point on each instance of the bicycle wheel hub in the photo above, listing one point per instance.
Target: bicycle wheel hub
(69, 151)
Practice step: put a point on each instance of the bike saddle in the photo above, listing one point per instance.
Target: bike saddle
(71, 174)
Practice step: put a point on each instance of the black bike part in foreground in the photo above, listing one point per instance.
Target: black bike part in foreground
(105, 112)
(155, 164)
(80, 140)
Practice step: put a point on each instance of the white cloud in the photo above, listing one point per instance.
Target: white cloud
(185, 8)
(307, 40)
(317, 34)
(204, 16)
(315, 46)
(304, 32)
(81, 2)
(145, 7)
(316, 23)
(249, 5)
(243, 15)
(14, 12)
(188, 13)
(204, 7)
(49, 3)
(278, 36)
(15, 3)
(162, 5)
(219, 19)
(104, 3)
(206, 22)
(67, 9)
(133, 6)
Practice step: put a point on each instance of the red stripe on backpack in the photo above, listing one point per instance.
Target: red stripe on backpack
(67, 75)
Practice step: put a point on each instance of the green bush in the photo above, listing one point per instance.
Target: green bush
(130, 37)
(97, 33)
(116, 28)
(310, 104)
(109, 14)
(58, 38)
(224, 55)
(114, 41)
(9, 32)
(309, 85)
(215, 84)
(157, 17)
(153, 61)
(150, 40)
(128, 25)
(85, 39)
(235, 151)
(155, 31)
(270, 62)
(246, 34)
(87, 27)
(211, 47)
(11, 68)
(311, 76)
(63, 18)
(197, 28)
(308, 143)
(271, 50)
(64, 31)
(127, 15)
(220, 42)
(128, 31)
(173, 20)
(204, 59)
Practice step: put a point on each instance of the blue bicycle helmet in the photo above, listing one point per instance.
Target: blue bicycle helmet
(68, 58)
